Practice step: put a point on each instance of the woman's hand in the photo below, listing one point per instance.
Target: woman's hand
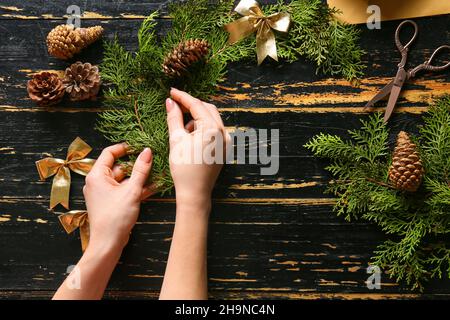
(113, 203)
(197, 153)
(113, 208)
(197, 149)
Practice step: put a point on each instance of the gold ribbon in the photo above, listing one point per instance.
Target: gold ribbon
(77, 219)
(254, 20)
(75, 161)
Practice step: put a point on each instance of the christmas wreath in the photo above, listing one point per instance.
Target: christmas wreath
(407, 193)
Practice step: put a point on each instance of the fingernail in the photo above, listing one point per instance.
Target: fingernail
(146, 155)
(169, 104)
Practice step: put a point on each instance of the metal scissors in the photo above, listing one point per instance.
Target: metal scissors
(395, 86)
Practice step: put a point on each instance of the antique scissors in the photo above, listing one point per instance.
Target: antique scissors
(395, 86)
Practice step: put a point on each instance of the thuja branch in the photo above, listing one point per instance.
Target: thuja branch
(136, 112)
(420, 220)
(380, 183)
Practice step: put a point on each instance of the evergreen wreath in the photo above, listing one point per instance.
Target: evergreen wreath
(417, 224)
(139, 86)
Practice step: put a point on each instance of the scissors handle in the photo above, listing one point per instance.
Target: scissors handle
(427, 64)
(400, 45)
(403, 48)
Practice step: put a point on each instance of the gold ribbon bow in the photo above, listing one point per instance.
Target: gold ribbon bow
(75, 161)
(75, 219)
(254, 20)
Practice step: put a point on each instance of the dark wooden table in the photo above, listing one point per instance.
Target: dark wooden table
(270, 237)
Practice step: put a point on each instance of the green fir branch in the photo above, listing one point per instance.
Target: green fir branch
(417, 224)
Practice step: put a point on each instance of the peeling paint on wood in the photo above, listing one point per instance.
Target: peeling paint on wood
(10, 8)
(19, 16)
(145, 276)
(261, 186)
(270, 237)
(4, 218)
(95, 15)
(231, 280)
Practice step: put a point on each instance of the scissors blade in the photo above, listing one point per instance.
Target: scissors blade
(392, 102)
(380, 95)
(395, 92)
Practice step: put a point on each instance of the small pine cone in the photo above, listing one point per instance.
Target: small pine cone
(82, 81)
(65, 41)
(406, 171)
(184, 55)
(46, 89)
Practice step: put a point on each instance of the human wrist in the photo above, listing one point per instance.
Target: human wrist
(194, 210)
(192, 220)
(193, 202)
(104, 250)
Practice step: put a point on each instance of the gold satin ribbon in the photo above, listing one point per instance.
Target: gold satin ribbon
(77, 219)
(254, 20)
(75, 161)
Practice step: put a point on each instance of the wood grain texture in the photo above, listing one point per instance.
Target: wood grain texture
(270, 237)
(90, 9)
(98, 10)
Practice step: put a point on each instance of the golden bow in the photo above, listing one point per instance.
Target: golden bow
(254, 20)
(75, 219)
(75, 161)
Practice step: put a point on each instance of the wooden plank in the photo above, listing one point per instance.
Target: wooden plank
(103, 10)
(300, 174)
(237, 295)
(90, 9)
(293, 88)
(273, 248)
(284, 248)
(270, 236)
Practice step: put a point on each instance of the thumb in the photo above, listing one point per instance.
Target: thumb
(141, 169)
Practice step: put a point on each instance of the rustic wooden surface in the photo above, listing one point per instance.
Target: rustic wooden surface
(270, 237)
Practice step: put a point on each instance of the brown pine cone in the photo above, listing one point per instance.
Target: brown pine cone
(46, 89)
(64, 41)
(406, 171)
(184, 55)
(82, 81)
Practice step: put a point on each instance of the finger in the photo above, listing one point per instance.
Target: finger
(148, 191)
(141, 169)
(226, 135)
(212, 109)
(194, 105)
(190, 126)
(228, 144)
(110, 154)
(118, 172)
(174, 117)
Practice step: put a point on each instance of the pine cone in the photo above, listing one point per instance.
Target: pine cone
(82, 81)
(65, 41)
(184, 55)
(46, 89)
(406, 171)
